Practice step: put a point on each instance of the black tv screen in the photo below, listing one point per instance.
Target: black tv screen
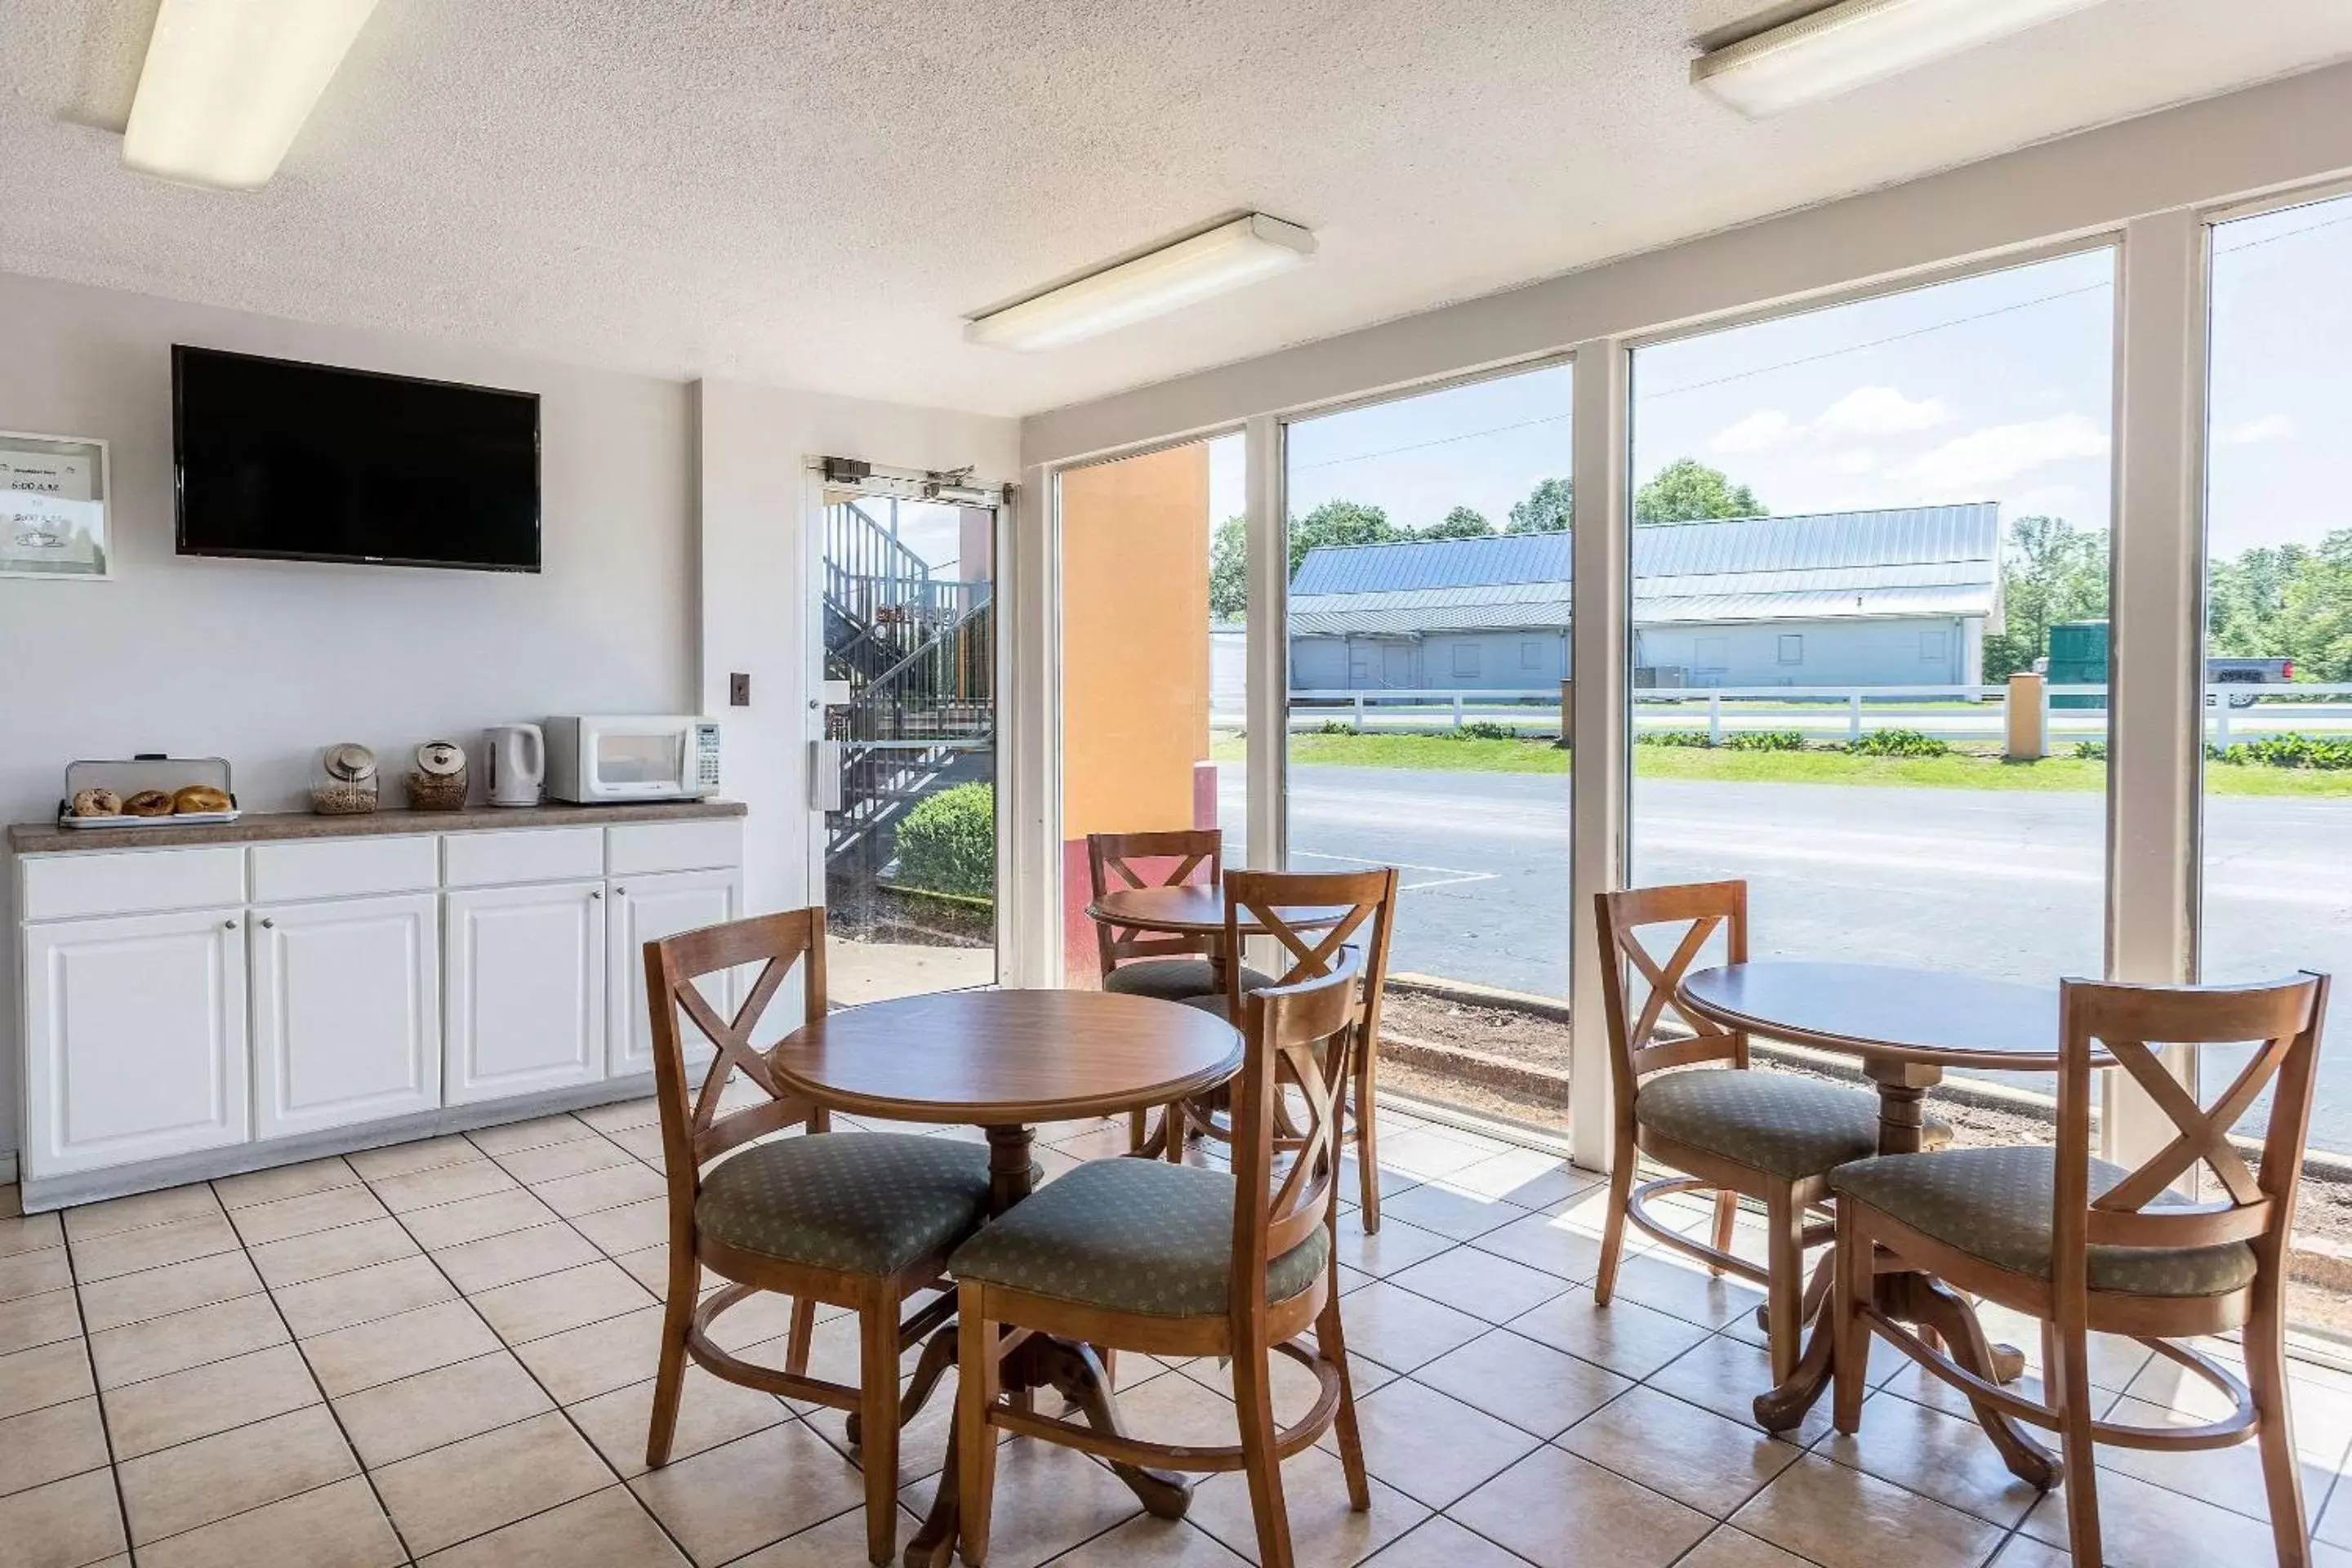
(306, 462)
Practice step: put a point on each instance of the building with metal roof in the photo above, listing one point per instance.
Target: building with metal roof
(1894, 597)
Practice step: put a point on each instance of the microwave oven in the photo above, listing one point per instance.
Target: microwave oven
(598, 760)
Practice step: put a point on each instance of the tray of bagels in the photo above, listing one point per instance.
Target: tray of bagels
(147, 791)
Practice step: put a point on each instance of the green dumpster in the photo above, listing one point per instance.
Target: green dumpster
(2078, 657)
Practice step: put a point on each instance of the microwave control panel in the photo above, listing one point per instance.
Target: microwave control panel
(706, 757)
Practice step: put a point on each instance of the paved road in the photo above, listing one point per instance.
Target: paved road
(2001, 884)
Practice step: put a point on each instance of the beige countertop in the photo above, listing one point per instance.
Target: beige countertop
(271, 827)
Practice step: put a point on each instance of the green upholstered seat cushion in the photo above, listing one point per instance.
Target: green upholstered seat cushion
(864, 1203)
(1776, 1122)
(1174, 979)
(1995, 1205)
(1132, 1235)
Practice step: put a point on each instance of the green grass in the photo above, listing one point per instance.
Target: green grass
(1956, 771)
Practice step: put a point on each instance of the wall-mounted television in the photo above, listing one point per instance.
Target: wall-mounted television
(305, 462)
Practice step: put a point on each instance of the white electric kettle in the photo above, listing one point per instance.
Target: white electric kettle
(515, 759)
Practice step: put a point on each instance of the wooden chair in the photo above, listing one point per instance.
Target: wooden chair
(1151, 963)
(1771, 1137)
(1179, 1260)
(862, 1220)
(2087, 1246)
(1369, 897)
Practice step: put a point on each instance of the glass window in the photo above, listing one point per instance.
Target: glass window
(1792, 649)
(1465, 661)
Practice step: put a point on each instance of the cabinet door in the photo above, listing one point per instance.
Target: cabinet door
(135, 1039)
(346, 1012)
(525, 996)
(648, 909)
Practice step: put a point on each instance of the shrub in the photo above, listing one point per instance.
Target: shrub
(1672, 738)
(948, 842)
(1898, 743)
(1484, 730)
(1335, 727)
(1765, 741)
(2288, 750)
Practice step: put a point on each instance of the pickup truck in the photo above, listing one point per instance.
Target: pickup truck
(2231, 671)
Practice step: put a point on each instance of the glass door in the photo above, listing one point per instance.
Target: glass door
(906, 768)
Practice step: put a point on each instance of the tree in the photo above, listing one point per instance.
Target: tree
(2051, 573)
(1687, 490)
(1335, 522)
(1462, 522)
(1549, 509)
(1229, 570)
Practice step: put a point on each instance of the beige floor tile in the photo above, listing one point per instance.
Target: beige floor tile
(336, 1526)
(43, 1319)
(496, 1261)
(319, 1307)
(1439, 1543)
(1685, 1288)
(175, 1287)
(115, 1252)
(2141, 1524)
(2227, 1477)
(592, 1191)
(646, 1112)
(1432, 1448)
(394, 1420)
(710, 1412)
(1842, 1518)
(579, 1364)
(318, 1254)
(1557, 1509)
(158, 1345)
(400, 1159)
(1403, 1330)
(839, 1540)
(441, 1184)
(641, 1143)
(64, 1524)
(30, 1233)
(1398, 1246)
(539, 1132)
(48, 1444)
(50, 1374)
(1625, 1337)
(739, 1497)
(469, 1219)
(1166, 1408)
(644, 1223)
(183, 1405)
(1552, 1243)
(1693, 1456)
(1531, 1385)
(476, 1484)
(1725, 1374)
(1450, 1211)
(229, 1472)
(12, 1200)
(609, 1528)
(1729, 1548)
(1324, 1532)
(33, 1273)
(590, 1151)
(2025, 1551)
(1047, 1500)
(275, 1221)
(534, 1309)
(285, 1181)
(1528, 1177)
(1425, 1154)
(1948, 1458)
(1480, 1284)
(352, 1359)
(141, 1210)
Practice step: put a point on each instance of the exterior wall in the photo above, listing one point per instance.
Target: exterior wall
(1925, 650)
(1135, 659)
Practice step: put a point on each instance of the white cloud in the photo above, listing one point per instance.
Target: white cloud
(1760, 431)
(2254, 431)
(1855, 460)
(1881, 411)
(1973, 467)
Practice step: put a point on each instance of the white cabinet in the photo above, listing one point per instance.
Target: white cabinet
(525, 1003)
(647, 908)
(135, 1038)
(346, 1012)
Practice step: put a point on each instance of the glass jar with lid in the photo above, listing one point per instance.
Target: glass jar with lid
(349, 785)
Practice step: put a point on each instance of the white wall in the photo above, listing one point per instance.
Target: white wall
(756, 595)
(1891, 652)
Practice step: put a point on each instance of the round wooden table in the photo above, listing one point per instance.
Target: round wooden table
(1905, 1026)
(1197, 908)
(1005, 1060)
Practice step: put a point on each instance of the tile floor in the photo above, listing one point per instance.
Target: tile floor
(441, 1352)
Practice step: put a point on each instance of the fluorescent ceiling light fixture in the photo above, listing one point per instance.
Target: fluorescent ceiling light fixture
(1169, 279)
(1842, 45)
(228, 83)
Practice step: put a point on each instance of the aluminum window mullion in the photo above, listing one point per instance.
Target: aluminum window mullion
(1267, 656)
(1599, 620)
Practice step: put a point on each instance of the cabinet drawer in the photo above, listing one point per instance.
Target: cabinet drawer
(503, 857)
(674, 846)
(131, 881)
(344, 867)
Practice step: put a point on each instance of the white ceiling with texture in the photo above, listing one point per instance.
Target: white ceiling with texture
(815, 192)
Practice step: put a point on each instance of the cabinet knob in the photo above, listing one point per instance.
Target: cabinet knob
(229, 925)
(595, 894)
(620, 892)
(268, 924)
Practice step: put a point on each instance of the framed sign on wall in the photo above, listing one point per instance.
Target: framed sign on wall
(53, 507)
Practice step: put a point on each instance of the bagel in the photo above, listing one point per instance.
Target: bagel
(148, 803)
(97, 802)
(199, 797)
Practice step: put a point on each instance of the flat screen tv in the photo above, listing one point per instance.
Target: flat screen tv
(307, 462)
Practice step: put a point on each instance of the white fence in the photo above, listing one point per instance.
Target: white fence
(1961, 714)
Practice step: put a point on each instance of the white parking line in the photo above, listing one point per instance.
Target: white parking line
(1447, 876)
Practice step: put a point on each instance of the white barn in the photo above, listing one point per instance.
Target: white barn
(1900, 597)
